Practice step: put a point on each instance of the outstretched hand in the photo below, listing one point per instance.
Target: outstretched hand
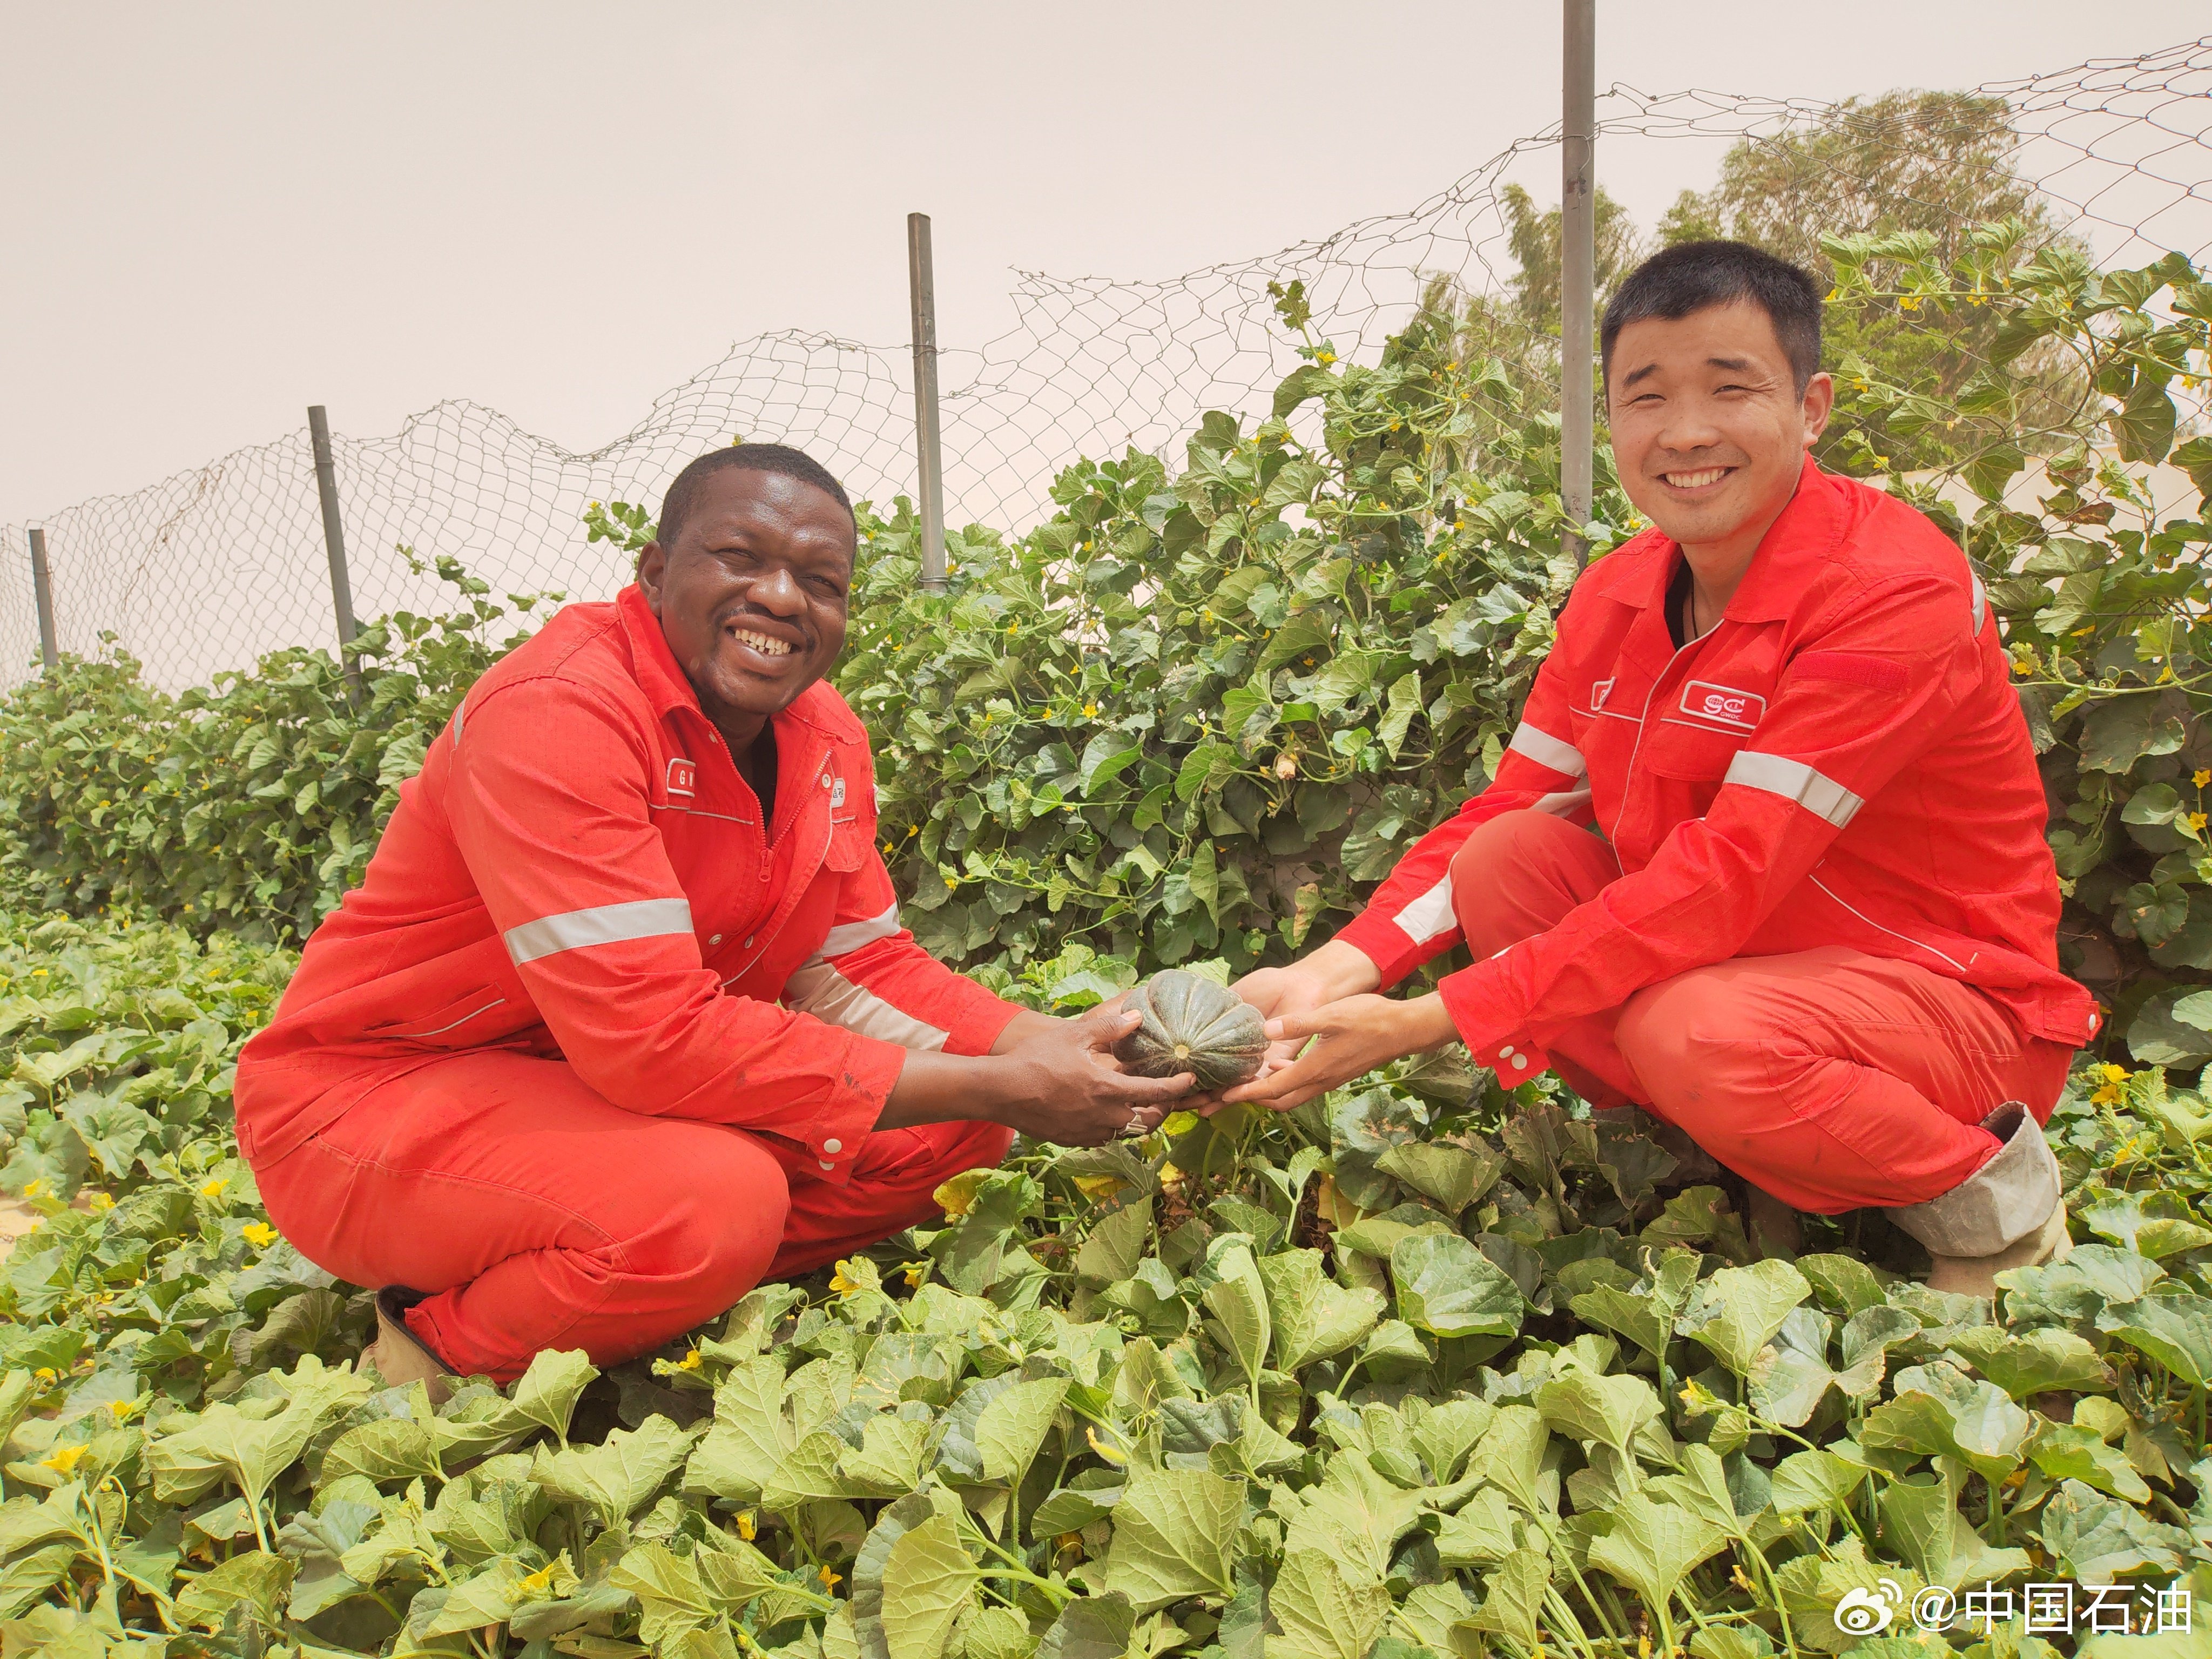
(1340, 1041)
(1068, 1088)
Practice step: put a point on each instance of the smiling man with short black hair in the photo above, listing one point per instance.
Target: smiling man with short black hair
(623, 1019)
(1816, 929)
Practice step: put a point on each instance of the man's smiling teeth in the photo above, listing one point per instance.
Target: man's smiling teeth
(761, 642)
(1695, 480)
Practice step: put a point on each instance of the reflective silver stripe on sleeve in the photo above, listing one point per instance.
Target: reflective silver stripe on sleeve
(1430, 914)
(1546, 749)
(1981, 600)
(1777, 775)
(853, 934)
(1565, 803)
(603, 923)
(820, 990)
(460, 709)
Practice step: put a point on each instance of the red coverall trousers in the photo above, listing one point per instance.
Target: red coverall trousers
(1829, 1078)
(542, 1217)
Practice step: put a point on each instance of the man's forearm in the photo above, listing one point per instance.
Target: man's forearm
(1343, 971)
(935, 1088)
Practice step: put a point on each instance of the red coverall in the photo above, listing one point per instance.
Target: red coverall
(1820, 932)
(537, 1065)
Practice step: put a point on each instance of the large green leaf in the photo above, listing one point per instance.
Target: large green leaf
(1939, 1412)
(1173, 1530)
(1014, 1426)
(1313, 1317)
(2173, 1326)
(1736, 1312)
(1652, 1544)
(1325, 1611)
(1448, 1288)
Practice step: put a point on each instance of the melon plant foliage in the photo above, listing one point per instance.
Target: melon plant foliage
(1425, 1369)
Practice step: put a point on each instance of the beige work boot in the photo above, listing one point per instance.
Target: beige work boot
(2008, 1213)
(400, 1357)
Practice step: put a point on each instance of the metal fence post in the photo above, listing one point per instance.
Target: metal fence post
(1577, 259)
(921, 286)
(327, 485)
(42, 589)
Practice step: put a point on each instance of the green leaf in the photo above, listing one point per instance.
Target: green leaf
(547, 1393)
(1091, 1627)
(1809, 1480)
(1451, 1177)
(1516, 1602)
(1014, 1426)
(2173, 1326)
(622, 1476)
(1736, 1312)
(1938, 1412)
(1173, 1533)
(2032, 1362)
(253, 1584)
(2065, 1451)
(1312, 1315)
(1238, 1301)
(929, 1580)
(1653, 1545)
(1448, 1288)
(1324, 1613)
(1608, 1409)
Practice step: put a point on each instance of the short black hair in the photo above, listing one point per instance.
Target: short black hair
(1693, 276)
(675, 505)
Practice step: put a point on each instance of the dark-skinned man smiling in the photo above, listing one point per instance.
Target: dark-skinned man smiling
(1816, 930)
(622, 1019)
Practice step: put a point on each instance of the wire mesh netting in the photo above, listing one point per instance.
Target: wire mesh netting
(208, 569)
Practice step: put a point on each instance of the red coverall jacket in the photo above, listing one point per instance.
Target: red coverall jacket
(1841, 762)
(579, 872)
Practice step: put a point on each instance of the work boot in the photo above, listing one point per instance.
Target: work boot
(400, 1357)
(2006, 1214)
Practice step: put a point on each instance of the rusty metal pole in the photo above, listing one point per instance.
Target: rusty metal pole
(42, 589)
(921, 286)
(326, 486)
(1577, 262)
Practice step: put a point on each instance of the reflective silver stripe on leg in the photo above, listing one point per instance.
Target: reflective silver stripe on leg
(1544, 748)
(1777, 775)
(1424, 918)
(602, 924)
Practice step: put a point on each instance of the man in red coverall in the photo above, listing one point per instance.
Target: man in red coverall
(622, 1019)
(1815, 928)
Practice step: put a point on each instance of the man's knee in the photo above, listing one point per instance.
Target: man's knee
(1517, 873)
(1685, 1038)
(718, 1224)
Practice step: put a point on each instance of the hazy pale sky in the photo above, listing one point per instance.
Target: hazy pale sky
(214, 214)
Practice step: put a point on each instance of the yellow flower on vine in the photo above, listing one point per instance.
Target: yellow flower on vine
(214, 1188)
(63, 1459)
(38, 1188)
(748, 1529)
(1111, 1454)
(914, 1272)
(846, 1288)
(691, 1361)
(259, 1234)
(1324, 358)
(1091, 711)
(2200, 777)
(830, 1580)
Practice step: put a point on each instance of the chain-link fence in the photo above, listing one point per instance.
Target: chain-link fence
(208, 569)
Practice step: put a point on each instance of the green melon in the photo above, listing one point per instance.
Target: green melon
(1192, 1024)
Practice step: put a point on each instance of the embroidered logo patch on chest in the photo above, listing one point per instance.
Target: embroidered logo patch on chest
(682, 778)
(837, 794)
(1724, 704)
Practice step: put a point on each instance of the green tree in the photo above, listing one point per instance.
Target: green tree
(1921, 168)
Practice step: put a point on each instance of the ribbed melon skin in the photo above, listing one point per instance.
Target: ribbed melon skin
(1192, 1024)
